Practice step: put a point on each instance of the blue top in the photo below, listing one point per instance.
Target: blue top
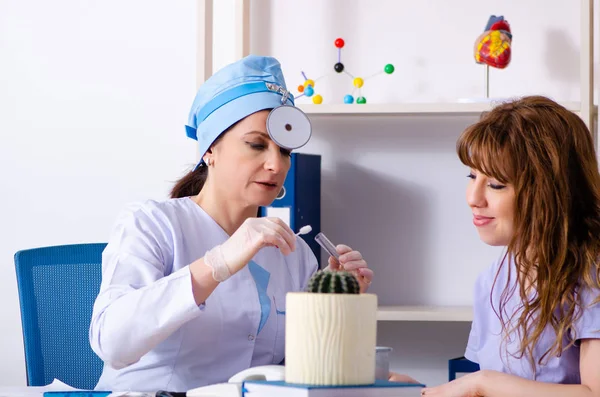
(486, 345)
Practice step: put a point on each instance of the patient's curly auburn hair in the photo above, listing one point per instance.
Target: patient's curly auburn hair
(547, 153)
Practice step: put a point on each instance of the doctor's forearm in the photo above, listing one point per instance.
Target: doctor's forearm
(203, 283)
(126, 323)
(498, 384)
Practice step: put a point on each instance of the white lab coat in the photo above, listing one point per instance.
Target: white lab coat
(146, 325)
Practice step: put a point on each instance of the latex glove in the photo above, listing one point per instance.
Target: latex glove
(353, 262)
(255, 233)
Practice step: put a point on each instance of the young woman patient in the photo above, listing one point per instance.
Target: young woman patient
(534, 188)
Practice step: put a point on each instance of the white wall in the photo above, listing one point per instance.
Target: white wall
(429, 41)
(94, 95)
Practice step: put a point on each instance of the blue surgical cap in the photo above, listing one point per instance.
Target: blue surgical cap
(244, 87)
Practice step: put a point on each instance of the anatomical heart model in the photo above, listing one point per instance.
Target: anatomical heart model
(493, 46)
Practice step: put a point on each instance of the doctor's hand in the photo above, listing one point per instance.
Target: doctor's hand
(353, 262)
(255, 233)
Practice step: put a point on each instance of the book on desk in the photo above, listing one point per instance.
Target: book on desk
(78, 393)
(381, 388)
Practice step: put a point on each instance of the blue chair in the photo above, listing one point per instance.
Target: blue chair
(460, 365)
(57, 288)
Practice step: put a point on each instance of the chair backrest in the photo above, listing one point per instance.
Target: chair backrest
(57, 288)
(460, 365)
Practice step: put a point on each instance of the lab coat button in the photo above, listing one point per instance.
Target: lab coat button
(250, 337)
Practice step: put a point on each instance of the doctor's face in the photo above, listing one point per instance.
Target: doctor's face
(248, 166)
(492, 204)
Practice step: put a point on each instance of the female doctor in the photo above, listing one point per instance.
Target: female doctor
(193, 288)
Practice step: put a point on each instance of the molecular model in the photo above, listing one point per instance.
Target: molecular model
(308, 88)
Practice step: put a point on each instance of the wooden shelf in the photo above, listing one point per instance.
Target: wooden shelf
(441, 108)
(425, 313)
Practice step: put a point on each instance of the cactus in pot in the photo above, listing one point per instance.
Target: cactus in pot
(331, 332)
(329, 282)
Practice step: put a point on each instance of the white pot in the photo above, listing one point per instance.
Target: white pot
(330, 338)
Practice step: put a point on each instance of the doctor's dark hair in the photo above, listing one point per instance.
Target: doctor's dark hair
(193, 182)
(547, 154)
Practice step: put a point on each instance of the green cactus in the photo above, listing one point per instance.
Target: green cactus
(333, 282)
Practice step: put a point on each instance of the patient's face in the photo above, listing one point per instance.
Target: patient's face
(493, 207)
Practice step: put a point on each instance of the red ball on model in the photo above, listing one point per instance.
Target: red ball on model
(339, 42)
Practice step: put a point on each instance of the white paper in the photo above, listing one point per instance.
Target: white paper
(57, 385)
(35, 391)
(283, 213)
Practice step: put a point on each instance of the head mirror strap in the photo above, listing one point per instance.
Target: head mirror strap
(234, 93)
